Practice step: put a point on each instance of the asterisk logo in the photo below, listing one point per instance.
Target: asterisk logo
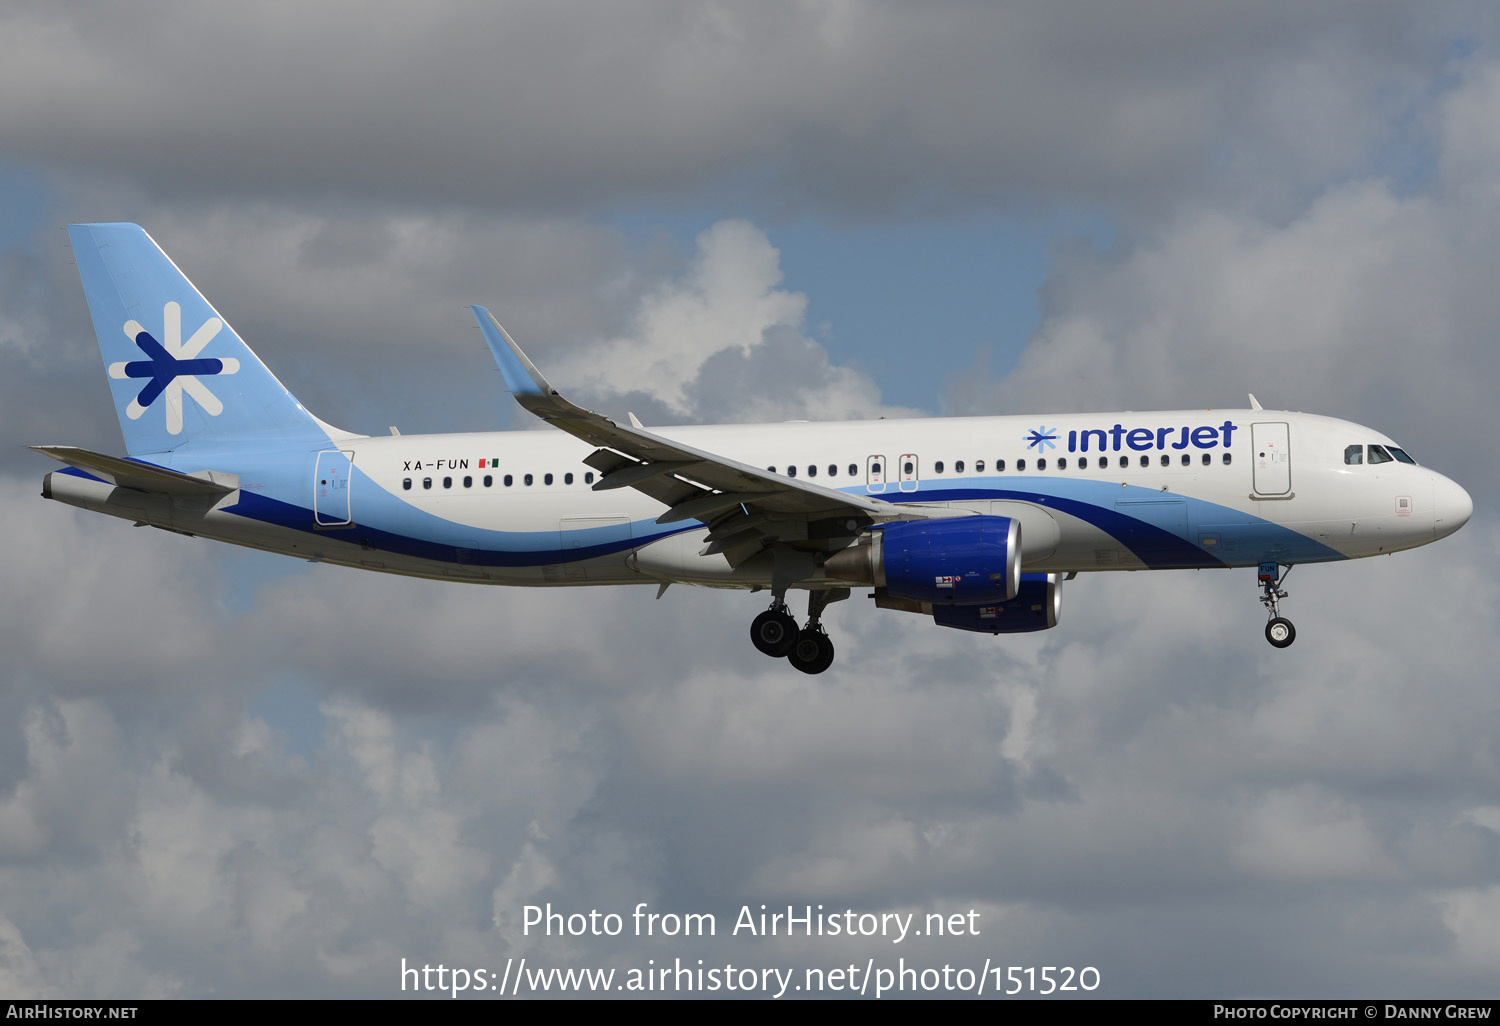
(1041, 439)
(173, 367)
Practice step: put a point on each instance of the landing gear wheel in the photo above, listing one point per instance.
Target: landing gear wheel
(1280, 632)
(774, 632)
(812, 651)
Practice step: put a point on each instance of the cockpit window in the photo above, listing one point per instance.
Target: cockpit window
(1400, 455)
(1354, 455)
(1379, 455)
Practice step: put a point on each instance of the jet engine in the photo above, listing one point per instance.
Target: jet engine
(1034, 608)
(957, 561)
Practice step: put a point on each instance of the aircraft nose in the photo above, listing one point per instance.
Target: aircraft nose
(1451, 506)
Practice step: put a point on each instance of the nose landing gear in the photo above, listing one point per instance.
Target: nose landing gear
(1279, 630)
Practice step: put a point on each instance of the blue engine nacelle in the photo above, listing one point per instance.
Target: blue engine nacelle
(962, 561)
(1034, 608)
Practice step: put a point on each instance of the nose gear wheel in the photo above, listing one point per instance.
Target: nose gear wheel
(1279, 630)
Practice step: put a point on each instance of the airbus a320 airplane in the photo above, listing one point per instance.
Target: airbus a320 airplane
(972, 521)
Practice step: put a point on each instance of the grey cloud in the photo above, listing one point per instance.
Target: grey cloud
(854, 107)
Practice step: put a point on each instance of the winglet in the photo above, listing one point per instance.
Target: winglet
(1255, 403)
(521, 375)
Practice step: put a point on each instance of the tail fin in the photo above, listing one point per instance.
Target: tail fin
(181, 377)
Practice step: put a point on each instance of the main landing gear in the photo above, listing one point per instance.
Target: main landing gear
(1279, 630)
(810, 650)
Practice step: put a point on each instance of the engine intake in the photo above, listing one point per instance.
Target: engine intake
(959, 561)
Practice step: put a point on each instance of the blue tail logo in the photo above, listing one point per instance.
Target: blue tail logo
(173, 367)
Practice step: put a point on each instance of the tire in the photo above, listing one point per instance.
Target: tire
(1280, 632)
(773, 633)
(812, 652)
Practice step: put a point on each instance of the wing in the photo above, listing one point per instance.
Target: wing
(745, 507)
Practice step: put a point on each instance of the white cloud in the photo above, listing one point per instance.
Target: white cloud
(723, 343)
(727, 301)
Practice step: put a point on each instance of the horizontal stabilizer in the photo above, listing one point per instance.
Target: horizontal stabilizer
(143, 477)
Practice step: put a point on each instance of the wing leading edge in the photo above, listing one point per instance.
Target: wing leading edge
(745, 507)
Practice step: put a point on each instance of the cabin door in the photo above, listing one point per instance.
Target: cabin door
(331, 488)
(1271, 456)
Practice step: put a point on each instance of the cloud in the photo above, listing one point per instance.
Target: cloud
(721, 343)
(1369, 305)
(852, 107)
(1148, 788)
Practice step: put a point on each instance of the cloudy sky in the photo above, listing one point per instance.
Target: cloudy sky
(225, 773)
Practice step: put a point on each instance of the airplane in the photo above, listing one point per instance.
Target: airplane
(973, 521)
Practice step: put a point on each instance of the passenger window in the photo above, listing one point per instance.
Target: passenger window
(909, 467)
(1083, 463)
(468, 481)
(771, 470)
(447, 482)
(958, 467)
(1166, 460)
(1186, 460)
(546, 479)
(812, 470)
(1041, 464)
(1226, 459)
(567, 479)
(406, 484)
(509, 480)
(488, 480)
(937, 468)
(791, 471)
(1354, 455)
(588, 478)
(426, 482)
(999, 466)
(1062, 463)
(979, 466)
(526, 479)
(874, 468)
(1145, 461)
(854, 470)
(1207, 459)
(1124, 462)
(1020, 465)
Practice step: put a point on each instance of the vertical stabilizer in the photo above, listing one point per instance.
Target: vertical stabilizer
(181, 378)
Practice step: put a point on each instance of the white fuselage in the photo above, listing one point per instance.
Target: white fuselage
(1116, 491)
